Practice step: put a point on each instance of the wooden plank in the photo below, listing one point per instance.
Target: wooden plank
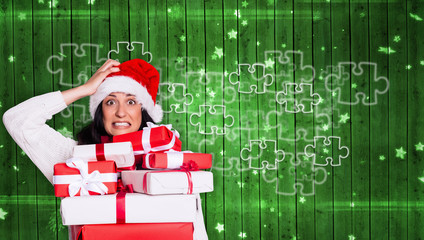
(43, 83)
(398, 117)
(284, 182)
(139, 26)
(230, 160)
(9, 225)
(158, 31)
(415, 113)
(119, 28)
(176, 75)
(214, 208)
(360, 121)
(24, 89)
(379, 124)
(342, 175)
(269, 198)
(324, 210)
(248, 120)
(303, 120)
(63, 122)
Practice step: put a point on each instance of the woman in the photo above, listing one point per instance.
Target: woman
(122, 100)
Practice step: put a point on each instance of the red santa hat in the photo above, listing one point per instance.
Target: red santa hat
(136, 77)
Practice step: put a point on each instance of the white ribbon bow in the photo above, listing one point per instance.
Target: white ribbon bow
(85, 182)
(145, 139)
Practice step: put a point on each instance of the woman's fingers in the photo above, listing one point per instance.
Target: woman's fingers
(108, 64)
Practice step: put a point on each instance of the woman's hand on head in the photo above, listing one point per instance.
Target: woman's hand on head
(110, 66)
(90, 87)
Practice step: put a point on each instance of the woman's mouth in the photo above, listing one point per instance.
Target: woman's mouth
(121, 124)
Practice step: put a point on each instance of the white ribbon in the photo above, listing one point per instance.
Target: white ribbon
(145, 139)
(85, 182)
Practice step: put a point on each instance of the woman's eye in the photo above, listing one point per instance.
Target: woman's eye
(131, 102)
(110, 102)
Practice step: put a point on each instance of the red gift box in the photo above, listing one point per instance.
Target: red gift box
(139, 231)
(77, 178)
(174, 160)
(152, 139)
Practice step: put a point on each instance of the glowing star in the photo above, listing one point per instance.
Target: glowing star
(169, 10)
(1, 104)
(15, 168)
(218, 52)
(179, 59)
(225, 73)
(41, 1)
(269, 63)
(258, 43)
(421, 179)
(241, 185)
(334, 94)
(23, 153)
(325, 127)
(302, 200)
(11, 58)
(419, 147)
(382, 158)
(320, 100)
(400, 153)
(325, 150)
(344, 118)
(214, 57)
(352, 204)
(351, 237)
(272, 209)
(244, 4)
(255, 172)
(283, 45)
(22, 16)
(237, 13)
(177, 106)
(53, 3)
(202, 72)
(422, 62)
(242, 235)
(182, 38)
(212, 94)
(3, 214)
(65, 132)
(91, 2)
(232, 34)
(244, 22)
(354, 85)
(386, 50)
(220, 227)
(396, 38)
(267, 128)
(408, 67)
(221, 153)
(1, 146)
(416, 17)
(323, 49)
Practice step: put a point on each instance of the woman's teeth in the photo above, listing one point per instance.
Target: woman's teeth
(121, 124)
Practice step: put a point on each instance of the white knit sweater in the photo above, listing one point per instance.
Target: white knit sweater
(26, 123)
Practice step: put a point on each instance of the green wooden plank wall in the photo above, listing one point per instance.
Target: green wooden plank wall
(273, 89)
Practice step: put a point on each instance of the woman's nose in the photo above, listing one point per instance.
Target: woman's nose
(121, 110)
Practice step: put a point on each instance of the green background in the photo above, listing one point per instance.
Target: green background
(375, 193)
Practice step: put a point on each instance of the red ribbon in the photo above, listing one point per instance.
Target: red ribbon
(190, 166)
(189, 179)
(100, 152)
(120, 200)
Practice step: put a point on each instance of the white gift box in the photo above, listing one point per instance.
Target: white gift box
(168, 182)
(139, 208)
(122, 153)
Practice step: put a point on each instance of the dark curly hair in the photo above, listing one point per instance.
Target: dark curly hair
(91, 134)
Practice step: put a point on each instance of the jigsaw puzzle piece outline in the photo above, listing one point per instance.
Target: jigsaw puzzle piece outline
(294, 89)
(327, 141)
(212, 110)
(172, 89)
(262, 144)
(130, 46)
(251, 69)
(78, 50)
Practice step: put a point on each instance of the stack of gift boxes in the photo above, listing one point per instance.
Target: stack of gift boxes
(139, 186)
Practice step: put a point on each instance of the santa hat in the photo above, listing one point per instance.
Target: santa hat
(136, 77)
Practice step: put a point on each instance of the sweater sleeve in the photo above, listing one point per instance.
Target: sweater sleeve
(26, 123)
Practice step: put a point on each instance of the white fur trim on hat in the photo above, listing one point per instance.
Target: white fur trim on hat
(126, 85)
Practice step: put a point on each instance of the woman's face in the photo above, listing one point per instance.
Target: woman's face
(121, 113)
